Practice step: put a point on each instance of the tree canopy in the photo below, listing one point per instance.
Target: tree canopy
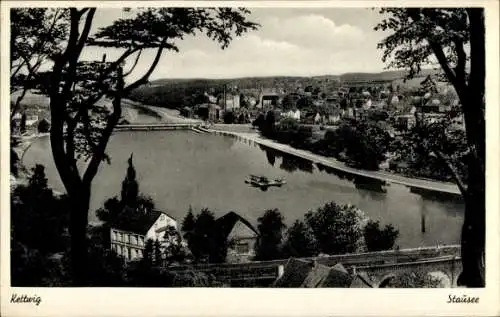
(454, 40)
(81, 126)
(271, 226)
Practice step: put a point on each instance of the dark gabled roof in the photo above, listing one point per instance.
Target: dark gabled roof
(307, 274)
(226, 223)
(140, 223)
(295, 272)
(361, 281)
(337, 277)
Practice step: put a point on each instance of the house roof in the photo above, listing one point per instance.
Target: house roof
(324, 276)
(140, 223)
(295, 272)
(227, 222)
(361, 281)
(304, 273)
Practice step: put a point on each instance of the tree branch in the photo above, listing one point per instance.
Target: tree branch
(58, 104)
(145, 78)
(70, 143)
(461, 59)
(135, 64)
(112, 121)
(86, 127)
(76, 46)
(456, 176)
(443, 61)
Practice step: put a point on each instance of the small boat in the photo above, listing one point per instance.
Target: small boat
(263, 182)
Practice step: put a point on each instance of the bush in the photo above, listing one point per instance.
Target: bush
(364, 144)
(337, 228)
(229, 117)
(417, 279)
(377, 239)
(43, 126)
(300, 241)
(270, 228)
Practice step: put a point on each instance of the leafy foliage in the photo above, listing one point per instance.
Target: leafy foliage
(188, 223)
(39, 219)
(415, 279)
(36, 35)
(205, 241)
(418, 150)
(361, 143)
(422, 36)
(377, 239)
(259, 121)
(132, 207)
(38, 231)
(300, 241)
(229, 117)
(338, 229)
(270, 227)
(80, 127)
(43, 126)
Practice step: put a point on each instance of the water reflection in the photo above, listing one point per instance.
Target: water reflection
(289, 162)
(271, 157)
(360, 182)
(437, 196)
(292, 163)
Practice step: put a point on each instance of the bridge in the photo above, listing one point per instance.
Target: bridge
(378, 266)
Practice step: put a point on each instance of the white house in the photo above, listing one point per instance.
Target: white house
(231, 102)
(292, 114)
(31, 120)
(128, 238)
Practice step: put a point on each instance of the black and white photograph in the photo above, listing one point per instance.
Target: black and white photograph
(247, 147)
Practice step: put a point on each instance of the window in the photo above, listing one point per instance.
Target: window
(133, 239)
(132, 254)
(141, 241)
(113, 235)
(118, 250)
(242, 247)
(120, 236)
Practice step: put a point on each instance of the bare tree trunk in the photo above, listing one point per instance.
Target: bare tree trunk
(79, 198)
(473, 230)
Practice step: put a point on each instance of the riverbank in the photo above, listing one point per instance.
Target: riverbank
(245, 132)
(430, 185)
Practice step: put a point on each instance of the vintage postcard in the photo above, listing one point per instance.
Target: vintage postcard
(250, 158)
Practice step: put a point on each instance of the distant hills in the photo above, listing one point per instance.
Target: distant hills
(269, 81)
(176, 93)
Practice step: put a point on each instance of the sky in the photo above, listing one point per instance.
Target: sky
(290, 41)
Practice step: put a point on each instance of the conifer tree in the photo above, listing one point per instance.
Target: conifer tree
(130, 187)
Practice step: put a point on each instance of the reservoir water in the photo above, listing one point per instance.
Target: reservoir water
(181, 169)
